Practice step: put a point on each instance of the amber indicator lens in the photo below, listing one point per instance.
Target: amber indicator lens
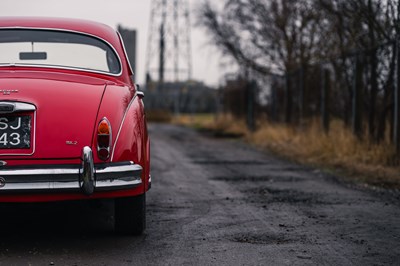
(104, 127)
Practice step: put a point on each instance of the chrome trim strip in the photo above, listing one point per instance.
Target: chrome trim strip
(39, 172)
(122, 123)
(61, 67)
(65, 67)
(19, 107)
(107, 185)
(106, 177)
(25, 105)
(40, 186)
(7, 104)
(70, 171)
(104, 185)
(119, 169)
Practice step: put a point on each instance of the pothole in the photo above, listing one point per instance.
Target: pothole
(247, 178)
(261, 239)
(286, 196)
(227, 162)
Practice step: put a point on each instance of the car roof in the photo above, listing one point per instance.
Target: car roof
(80, 25)
(100, 30)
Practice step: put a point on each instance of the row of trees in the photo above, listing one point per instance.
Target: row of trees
(298, 40)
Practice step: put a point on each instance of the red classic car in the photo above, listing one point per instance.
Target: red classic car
(72, 123)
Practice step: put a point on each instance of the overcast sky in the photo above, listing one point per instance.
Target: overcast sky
(130, 14)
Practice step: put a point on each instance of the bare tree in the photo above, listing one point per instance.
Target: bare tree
(265, 36)
(282, 36)
(367, 28)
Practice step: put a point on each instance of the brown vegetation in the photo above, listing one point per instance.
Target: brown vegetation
(158, 116)
(338, 151)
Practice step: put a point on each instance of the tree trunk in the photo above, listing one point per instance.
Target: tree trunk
(357, 98)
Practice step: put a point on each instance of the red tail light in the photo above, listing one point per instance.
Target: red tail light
(104, 139)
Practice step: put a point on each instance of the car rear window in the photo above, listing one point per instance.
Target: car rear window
(61, 49)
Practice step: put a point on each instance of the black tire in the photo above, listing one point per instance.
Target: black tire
(130, 215)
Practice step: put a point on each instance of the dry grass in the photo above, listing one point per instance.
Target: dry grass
(158, 116)
(339, 150)
(197, 121)
(220, 125)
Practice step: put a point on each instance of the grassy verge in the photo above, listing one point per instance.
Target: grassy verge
(339, 150)
(224, 125)
(158, 116)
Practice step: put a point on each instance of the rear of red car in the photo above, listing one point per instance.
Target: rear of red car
(72, 124)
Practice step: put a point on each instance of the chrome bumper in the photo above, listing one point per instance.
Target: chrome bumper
(86, 177)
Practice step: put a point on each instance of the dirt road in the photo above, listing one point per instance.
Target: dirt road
(215, 202)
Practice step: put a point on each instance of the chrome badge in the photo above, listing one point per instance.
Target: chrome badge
(2, 182)
(8, 92)
(71, 142)
(3, 163)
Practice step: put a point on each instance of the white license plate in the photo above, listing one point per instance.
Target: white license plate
(15, 132)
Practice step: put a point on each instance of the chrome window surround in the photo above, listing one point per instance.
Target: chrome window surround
(65, 67)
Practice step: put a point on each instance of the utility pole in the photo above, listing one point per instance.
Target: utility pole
(169, 40)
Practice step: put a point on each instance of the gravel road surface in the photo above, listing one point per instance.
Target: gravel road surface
(215, 202)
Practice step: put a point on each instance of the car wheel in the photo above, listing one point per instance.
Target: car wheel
(130, 215)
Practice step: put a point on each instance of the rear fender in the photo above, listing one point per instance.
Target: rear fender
(129, 144)
(116, 100)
